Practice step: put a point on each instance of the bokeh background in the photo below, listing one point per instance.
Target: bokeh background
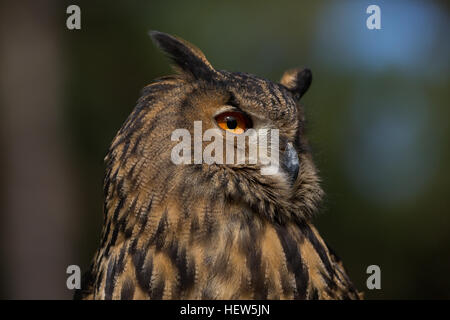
(378, 112)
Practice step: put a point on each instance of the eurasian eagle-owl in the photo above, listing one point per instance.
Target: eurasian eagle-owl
(212, 231)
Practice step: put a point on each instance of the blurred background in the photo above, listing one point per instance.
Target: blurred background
(378, 113)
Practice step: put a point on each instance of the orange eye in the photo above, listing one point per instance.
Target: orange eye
(235, 122)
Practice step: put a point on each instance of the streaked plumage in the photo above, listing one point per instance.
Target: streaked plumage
(210, 231)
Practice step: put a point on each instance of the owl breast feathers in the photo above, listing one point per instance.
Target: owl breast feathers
(212, 230)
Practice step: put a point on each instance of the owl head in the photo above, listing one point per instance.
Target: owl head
(140, 161)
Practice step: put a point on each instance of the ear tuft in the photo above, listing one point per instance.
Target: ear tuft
(186, 56)
(297, 81)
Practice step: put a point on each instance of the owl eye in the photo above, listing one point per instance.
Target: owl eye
(235, 122)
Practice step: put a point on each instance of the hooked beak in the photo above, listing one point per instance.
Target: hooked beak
(289, 162)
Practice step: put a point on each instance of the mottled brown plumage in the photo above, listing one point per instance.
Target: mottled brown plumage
(214, 231)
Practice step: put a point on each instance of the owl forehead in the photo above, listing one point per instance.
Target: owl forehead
(261, 96)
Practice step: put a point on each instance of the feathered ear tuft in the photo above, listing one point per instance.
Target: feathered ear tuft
(297, 81)
(187, 57)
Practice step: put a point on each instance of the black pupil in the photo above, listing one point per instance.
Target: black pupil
(231, 122)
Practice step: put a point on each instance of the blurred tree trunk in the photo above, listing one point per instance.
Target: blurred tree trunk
(38, 206)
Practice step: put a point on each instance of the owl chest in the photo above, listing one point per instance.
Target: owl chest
(262, 262)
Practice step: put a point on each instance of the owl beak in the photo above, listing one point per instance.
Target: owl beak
(289, 162)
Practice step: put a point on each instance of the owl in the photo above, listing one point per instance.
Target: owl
(213, 230)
